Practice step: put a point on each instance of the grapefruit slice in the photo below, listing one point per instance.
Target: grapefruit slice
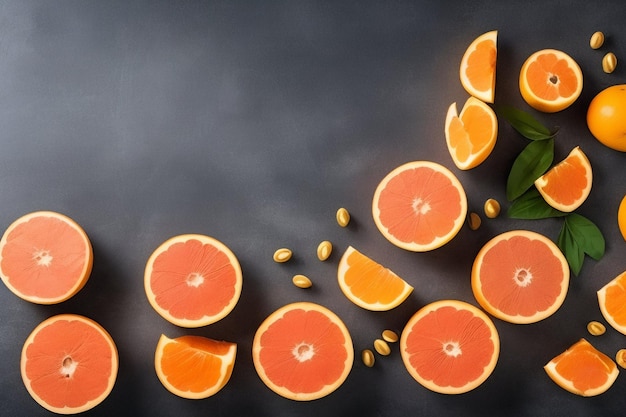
(520, 277)
(550, 80)
(45, 257)
(583, 370)
(471, 135)
(368, 284)
(303, 351)
(567, 184)
(194, 367)
(450, 347)
(478, 67)
(193, 280)
(419, 206)
(612, 300)
(69, 364)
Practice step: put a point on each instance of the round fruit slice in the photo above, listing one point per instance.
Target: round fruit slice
(583, 370)
(303, 351)
(612, 300)
(606, 117)
(478, 67)
(471, 136)
(368, 284)
(193, 280)
(419, 206)
(550, 80)
(450, 346)
(69, 364)
(567, 184)
(194, 367)
(45, 257)
(520, 277)
(621, 217)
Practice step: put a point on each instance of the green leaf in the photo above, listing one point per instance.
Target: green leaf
(525, 123)
(531, 205)
(530, 164)
(570, 248)
(587, 235)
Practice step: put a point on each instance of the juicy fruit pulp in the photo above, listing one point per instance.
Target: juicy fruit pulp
(471, 135)
(369, 284)
(419, 206)
(583, 370)
(69, 364)
(194, 367)
(550, 80)
(303, 351)
(450, 346)
(45, 257)
(478, 67)
(193, 280)
(520, 277)
(612, 301)
(606, 117)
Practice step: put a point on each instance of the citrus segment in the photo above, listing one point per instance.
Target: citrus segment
(419, 206)
(471, 135)
(621, 217)
(69, 364)
(612, 300)
(520, 277)
(368, 284)
(583, 370)
(303, 351)
(550, 80)
(450, 346)
(45, 257)
(478, 67)
(567, 185)
(193, 280)
(194, 367)
(606, 117)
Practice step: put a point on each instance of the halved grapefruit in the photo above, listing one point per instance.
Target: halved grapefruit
(303, 351)
(45, 257)
(193, 280)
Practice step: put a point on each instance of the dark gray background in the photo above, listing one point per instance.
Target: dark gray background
(253, 122)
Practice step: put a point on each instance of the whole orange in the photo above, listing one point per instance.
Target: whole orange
(606, 117)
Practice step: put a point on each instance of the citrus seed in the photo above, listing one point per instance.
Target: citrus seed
(382, 347)
(282, 255)
(301, 281)
(343, 217)
(324, 250)
(367, 356)
(390, 336)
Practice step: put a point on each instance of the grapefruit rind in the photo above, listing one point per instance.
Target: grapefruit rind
(477, 156)
(542, 182)
(226, 370)
(518, 318)
(206, 319)
(283, 391)
(112, 377)
(81, 278)
(618, 282)
(439, 240)
(378, 306)
(621, 217)
(485, 95)
(568, 385)
(458, 305)
(543, 105)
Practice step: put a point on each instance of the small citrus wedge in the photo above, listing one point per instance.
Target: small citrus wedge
(69, 364)
(471, 135)
(612, 300)
(450, 346)
(478, 67)
(583, 370)
(419, 206)
(520, 277)
(45, 257)
(368, 284)
(194, 367)
(303, 351)
(193, 280)
(567, 185)
(550, 80)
